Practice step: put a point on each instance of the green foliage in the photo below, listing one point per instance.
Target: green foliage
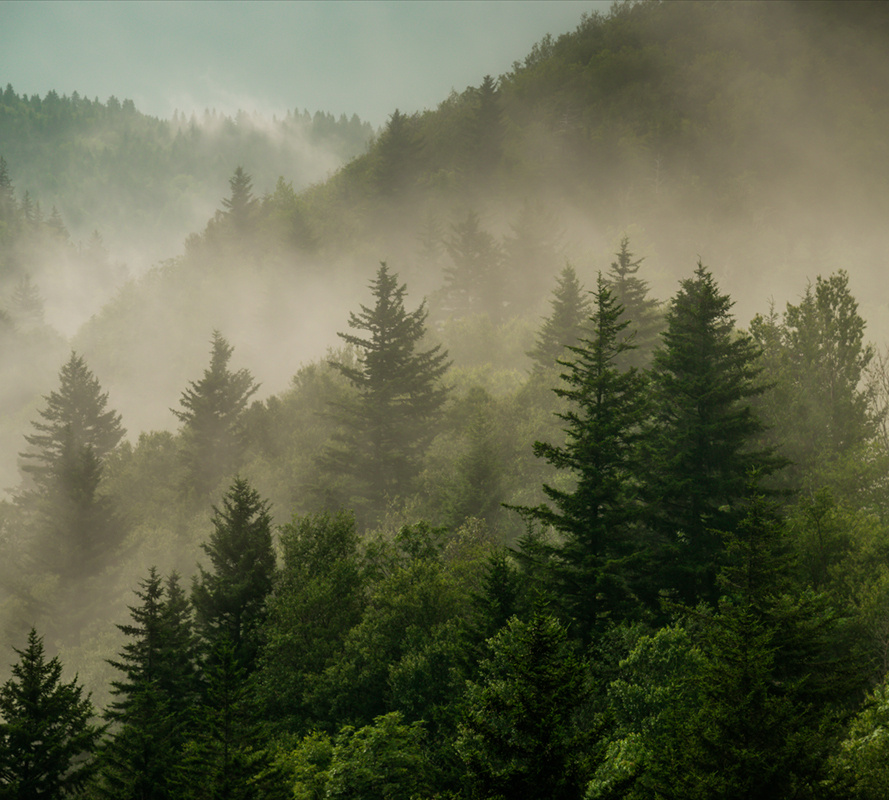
(229, 602)
(386, 428)
(701, 445)
(154, 695)
(47, 739)
(518, 737)
(318, 597)
(384, 761)
(817, 357)
(606, 409)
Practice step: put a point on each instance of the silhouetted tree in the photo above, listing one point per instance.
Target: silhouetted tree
(47, 739)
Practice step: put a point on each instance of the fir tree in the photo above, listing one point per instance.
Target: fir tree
(212, 420)
(229, 602)
(385, 429)
(643, 313)
(47, 739)
(700, 449)
(606, 408)
(565, 326)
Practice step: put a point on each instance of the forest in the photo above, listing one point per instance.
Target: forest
(539, 448)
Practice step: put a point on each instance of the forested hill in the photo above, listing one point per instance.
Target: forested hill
(541, 452)
(145, 183)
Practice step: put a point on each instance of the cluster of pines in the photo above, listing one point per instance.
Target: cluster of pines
(682, 618)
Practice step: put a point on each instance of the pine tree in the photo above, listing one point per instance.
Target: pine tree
(518, 737)
(700, 449)
(387, 427)
(643, 313)
(229, 602)
(565, 326)
(47, 739)
(606, 409)
(75, 527)
(154, 696)
(241, 204)
(212, 420)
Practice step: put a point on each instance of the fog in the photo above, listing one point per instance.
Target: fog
(768, 185)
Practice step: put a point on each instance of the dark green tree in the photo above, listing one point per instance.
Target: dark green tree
(212, 416)
(700, 448)
(386, 427)
(47, 738)
(319, 596)
(230, 602)
(565, 326)
(596, 517)
(397, 154)
(519, 736)
(154, 697)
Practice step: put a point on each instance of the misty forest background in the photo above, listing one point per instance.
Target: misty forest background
(531, 446)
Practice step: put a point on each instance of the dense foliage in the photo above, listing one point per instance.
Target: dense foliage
(631, 548)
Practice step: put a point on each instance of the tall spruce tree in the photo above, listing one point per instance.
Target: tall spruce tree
(700, 448)
(47, 737)
(229, 602)
(75, 529)
(154, 696)
(565, 326)
(386, 427)
(606, 409)
(213, 438)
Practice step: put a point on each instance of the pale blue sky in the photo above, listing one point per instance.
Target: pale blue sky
(338, 56)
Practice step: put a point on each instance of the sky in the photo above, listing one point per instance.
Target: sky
(339, 56)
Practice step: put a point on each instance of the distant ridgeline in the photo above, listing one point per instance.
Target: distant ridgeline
(147, 182)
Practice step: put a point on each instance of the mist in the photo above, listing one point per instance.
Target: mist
(239, 246)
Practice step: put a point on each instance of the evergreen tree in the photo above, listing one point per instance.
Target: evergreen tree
(530, 257)
(397, 153)
(47, 739)
(75, 418)
(212, 411)
(473, 281)
(643, 313)
(700, 449)
(386, 428)
(229, 602)
(565, 326)
(596, 517)
(154, 696)
(240, 205)
(75, 528)
(519, 737)
(486, 129)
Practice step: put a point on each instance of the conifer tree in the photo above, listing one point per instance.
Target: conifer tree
(47, 738)
(643, 313)
(606, 409)
(700, 449)
(229, 602)
(565, 325)
(212, 411)
(154, 696)
(386, 428)
(241, 203)
(75, 527)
